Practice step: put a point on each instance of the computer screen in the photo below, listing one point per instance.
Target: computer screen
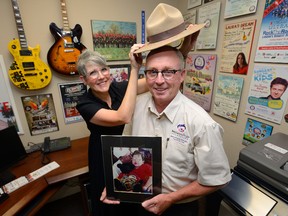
(11, 152)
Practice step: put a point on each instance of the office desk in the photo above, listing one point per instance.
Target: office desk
(73, 162)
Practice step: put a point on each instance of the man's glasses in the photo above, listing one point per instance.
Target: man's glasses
(95, 73)
(167, 74)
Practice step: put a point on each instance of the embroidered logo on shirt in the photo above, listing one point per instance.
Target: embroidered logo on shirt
(181, 128)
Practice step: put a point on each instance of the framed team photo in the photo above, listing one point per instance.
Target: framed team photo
(132, 166)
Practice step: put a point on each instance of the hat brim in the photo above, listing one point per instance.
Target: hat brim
(151, 46)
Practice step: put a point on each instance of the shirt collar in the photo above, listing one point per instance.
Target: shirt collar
(170, 111)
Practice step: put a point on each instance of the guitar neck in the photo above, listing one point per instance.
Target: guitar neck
(19, 25)
(65, 20)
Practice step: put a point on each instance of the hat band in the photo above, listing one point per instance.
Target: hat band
(167, 34)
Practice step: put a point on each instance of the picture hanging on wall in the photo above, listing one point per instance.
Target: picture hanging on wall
(255, 131)
(40, 113)
(236, 48)
(8, 112)
(70, 94)
(208, 35)
(119, 73)
(193, 3)
(268, 93)
(227, 96)
(199, 79)
(132, 166)
(239, 8)
(113, 39)
(273, 38)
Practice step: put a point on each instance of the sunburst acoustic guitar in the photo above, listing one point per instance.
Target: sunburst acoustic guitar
(63, 55)
(27, 71)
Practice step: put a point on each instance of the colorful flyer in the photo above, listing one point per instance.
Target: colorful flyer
(209, 15)
(236, 49)
(199, 80)
(40, 113)
(267, 96)
(255, 131)
(227, 96)
(273, 38)
(70, 94)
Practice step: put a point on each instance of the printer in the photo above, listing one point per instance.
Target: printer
(259, 184)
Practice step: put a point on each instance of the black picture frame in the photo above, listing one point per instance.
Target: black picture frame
(150, 148)
(120, 73)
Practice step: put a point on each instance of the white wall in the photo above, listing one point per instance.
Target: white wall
(38, 14)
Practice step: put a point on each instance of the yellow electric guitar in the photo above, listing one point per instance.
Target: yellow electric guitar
(27, 71)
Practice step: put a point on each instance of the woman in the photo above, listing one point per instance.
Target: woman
(106, 108)
(240, 66)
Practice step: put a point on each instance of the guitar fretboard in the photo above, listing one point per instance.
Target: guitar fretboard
(19, 24)
(64, 16)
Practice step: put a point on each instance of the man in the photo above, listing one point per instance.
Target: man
(193, 159)
(277, 88)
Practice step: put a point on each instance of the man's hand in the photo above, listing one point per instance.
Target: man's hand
(158, 204)
(104, 199)
(189, 42)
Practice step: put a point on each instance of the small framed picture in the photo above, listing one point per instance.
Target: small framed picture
(120, 73)
(132, 166)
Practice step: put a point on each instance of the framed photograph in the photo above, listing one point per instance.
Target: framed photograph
(113, 39)
(120, 73)
(132, 166)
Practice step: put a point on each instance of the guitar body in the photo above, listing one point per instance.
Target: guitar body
(63, 55)
(28, 71)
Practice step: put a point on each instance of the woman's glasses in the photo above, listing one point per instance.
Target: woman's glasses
(95, 73)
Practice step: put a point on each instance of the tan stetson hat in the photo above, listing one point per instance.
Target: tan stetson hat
(164, 26)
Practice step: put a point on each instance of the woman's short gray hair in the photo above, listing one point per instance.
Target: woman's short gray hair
(92, 57)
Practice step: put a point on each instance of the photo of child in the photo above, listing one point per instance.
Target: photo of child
(136, 175)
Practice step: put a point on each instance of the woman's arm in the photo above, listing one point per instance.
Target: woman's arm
(123, 115)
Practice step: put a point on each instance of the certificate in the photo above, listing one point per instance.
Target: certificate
(235, 8)
(208, 35)
(193, 3)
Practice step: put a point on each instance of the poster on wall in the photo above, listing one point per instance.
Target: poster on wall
(8, 113)
(235, 8)
(273, 39)
(208, 35)
(113, 39)
(227, 96)
(267, 96)
(70, 94)
(199, 79)
(40, 113)
(193, 3)
(255, 131)
(236, 49)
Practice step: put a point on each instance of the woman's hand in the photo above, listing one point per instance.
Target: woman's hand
(136, 59)
(104, 199)
(189, 42)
